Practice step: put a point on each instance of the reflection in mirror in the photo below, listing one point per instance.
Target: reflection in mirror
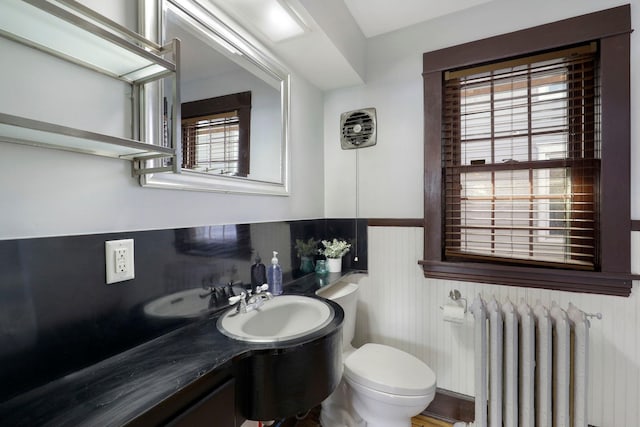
(234, 106)
(216, 135)
(221, 241)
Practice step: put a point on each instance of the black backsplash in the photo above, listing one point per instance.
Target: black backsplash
(57, 315)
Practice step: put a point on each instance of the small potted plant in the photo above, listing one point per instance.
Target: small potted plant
(334, 250)
(306, 250)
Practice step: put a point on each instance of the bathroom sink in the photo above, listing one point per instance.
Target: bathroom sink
(282, 318)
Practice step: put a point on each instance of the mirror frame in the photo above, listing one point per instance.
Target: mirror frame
(226, 29)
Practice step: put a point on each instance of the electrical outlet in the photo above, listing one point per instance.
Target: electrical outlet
(119, 260)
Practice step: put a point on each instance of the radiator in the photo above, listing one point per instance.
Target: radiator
(531, 365)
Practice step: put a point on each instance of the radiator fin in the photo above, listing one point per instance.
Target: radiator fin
(527, 365)
(561, 366)
(495, 364)
(479, 311)
(580, 328)
(510, 364)
(544, 359)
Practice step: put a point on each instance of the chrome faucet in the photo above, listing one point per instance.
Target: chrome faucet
(255, 301)
(261, 293)
(240, 301)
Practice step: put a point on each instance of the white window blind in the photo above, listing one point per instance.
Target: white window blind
(211, 143)
(521, 160)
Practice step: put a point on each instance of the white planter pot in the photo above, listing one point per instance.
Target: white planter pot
(334, 265)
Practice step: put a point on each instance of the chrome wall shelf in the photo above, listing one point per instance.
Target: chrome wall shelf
(25, 131)
(71, 31)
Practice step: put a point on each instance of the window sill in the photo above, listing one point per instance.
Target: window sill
(617, 284)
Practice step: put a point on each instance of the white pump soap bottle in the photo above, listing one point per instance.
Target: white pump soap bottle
(274, 276)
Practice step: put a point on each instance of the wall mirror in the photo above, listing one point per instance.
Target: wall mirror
(234, 103)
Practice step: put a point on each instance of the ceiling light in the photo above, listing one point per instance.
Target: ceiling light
(276, 19)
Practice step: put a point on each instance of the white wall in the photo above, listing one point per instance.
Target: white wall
(398, 305)
(49, 192)
(391, 180)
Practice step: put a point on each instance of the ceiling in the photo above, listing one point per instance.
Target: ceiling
(375, 17)
(331, 51)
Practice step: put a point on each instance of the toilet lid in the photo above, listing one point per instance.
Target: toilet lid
(389, 370)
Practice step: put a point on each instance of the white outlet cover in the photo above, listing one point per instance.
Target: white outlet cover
(111, 264)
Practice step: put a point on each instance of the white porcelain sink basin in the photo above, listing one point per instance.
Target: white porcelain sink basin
(282, 318)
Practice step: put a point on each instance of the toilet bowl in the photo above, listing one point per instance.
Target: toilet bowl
(381, 386)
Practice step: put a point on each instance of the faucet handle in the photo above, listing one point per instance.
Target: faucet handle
(262, 292)
(236, 298)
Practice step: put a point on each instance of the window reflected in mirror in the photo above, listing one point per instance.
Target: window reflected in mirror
(216, 135)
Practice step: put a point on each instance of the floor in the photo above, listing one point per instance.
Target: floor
(312, 419)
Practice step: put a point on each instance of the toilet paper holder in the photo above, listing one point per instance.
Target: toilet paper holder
(456, 296)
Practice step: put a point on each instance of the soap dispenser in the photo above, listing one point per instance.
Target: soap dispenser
(258, 273)
(274, 276)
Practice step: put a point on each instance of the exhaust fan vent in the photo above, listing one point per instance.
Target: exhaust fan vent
(358, 128)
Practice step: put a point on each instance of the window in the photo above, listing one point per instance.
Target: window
(212, 144)
(527, 157)
(215, 135)
(521, 152)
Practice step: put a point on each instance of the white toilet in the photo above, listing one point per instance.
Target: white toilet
(381, 386)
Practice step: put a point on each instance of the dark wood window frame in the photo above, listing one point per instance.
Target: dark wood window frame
(611, 28)
(240, 102)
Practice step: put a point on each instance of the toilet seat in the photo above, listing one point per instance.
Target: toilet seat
(389, 370)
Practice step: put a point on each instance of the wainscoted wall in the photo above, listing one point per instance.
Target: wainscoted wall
(399, 307)
(57, 315)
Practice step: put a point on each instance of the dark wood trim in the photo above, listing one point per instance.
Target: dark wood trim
(592, 26)
(216, 105)
(451, 407)
(433, 197)
(635, 225)
(531, 277)
(395, 222)
(611, 28)
(615, 176)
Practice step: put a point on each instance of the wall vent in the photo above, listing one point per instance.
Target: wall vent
(358, 128)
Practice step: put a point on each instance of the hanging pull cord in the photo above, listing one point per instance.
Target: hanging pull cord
(355, 246)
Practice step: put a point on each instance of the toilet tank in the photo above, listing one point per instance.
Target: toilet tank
(346, 294)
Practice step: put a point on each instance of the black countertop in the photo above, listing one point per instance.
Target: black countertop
(116, 390)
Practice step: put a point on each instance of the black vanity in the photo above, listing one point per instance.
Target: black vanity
(192, 375)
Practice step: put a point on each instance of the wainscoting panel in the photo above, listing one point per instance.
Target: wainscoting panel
(399, 307)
